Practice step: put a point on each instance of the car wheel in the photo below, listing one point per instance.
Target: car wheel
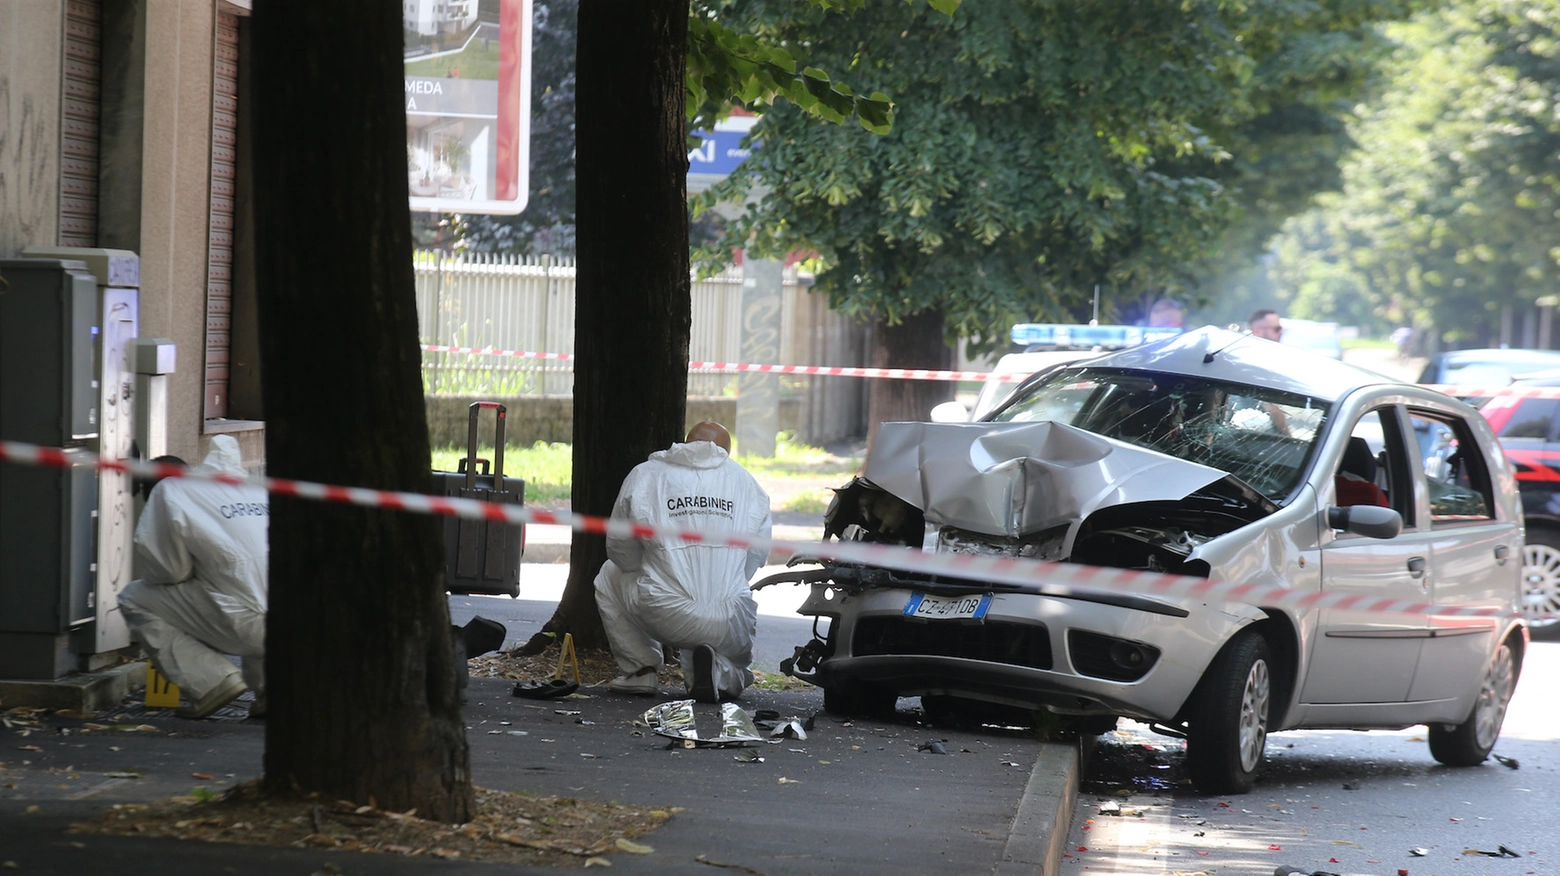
(858, 698)
(1229, 717)
(1469, 743)
(1541, 579)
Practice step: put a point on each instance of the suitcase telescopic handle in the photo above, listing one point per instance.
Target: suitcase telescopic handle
(498, 447)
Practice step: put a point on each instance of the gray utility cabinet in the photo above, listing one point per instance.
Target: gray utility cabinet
(65, 534)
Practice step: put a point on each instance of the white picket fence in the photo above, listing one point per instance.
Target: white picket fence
(507, 302)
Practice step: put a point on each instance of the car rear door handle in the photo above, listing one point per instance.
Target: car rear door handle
(1502, 553)
(1416, 567)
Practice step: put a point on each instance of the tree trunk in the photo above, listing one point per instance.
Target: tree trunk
(362, 686)
(632, 300)
(915, 342)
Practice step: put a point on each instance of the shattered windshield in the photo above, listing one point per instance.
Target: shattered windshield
(1262, 436)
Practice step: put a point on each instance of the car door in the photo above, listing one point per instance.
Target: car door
(1475, 555)
(1361, 656)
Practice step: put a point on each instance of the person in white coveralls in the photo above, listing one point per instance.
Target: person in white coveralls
(202, 549)
(693, 597)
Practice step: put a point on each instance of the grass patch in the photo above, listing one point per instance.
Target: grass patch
(546, 468)
(476, 62)
(809, 502)
(794, 459)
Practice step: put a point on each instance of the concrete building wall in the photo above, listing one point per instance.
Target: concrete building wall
(31, 35)
(175, 204)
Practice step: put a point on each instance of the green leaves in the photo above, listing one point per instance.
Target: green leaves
(728, 67)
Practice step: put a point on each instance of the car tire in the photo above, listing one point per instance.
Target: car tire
(1470, 743)
(1229, 717)
(1541, 579)
(858, 699)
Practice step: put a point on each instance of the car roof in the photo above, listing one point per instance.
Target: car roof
(1028, 363)
(1221, 354)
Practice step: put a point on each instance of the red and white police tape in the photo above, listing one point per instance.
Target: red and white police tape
(926, 374)
(1059, 578)
(823, 370)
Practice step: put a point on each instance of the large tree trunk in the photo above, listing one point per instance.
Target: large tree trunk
(363, 698)
(915, 342)
(632, 301)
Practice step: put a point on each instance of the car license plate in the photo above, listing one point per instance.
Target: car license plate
(927, 607)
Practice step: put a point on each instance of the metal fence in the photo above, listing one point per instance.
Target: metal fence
(507, 302)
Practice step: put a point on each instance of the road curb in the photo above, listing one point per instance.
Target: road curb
(1039, 832)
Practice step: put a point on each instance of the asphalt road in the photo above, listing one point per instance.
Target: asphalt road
(1344, 802)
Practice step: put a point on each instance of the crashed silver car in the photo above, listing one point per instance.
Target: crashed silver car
(1215, 455)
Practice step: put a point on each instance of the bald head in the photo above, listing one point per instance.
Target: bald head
(709, 431)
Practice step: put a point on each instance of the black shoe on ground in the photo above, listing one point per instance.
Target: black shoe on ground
(702, 686)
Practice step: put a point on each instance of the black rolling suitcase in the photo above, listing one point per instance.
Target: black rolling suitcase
(482, 556)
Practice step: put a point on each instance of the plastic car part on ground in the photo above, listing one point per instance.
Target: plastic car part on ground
(675, 720)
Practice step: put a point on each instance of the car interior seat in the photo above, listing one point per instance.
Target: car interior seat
(1360, 489)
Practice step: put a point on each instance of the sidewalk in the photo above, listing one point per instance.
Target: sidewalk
(860, 798)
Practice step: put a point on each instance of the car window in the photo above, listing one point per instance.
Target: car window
(1522, 417)
(1262, 436)
(1458, 481)
(1375, 469)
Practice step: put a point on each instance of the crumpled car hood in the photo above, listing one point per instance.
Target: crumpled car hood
(1011, 479)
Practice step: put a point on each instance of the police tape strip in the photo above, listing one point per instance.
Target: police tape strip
(1065, 578)
(925, 374)
(729, 367)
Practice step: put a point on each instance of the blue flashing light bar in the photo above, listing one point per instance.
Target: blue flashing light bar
(1033, 334)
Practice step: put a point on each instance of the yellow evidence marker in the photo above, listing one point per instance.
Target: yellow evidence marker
(160, 692)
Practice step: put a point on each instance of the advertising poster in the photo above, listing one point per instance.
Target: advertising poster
(468, 104)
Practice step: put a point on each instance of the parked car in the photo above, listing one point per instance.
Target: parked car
(1045, 345)
(1485, 368)
(1529, 430)
(1215, 455)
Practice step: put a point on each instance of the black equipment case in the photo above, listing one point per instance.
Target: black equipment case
(482, 556)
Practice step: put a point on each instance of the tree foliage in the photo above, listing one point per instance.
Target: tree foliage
(1448, 211)
(1039, 148)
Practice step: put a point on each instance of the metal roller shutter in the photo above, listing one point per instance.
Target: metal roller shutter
(79, 105)
(219, 250)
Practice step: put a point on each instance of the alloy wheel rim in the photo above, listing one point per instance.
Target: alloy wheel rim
(1541, 584)
(1494, 695)
(1253, 716)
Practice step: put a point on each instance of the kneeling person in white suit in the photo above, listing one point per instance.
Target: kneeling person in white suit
(202, 549)
(693, 597)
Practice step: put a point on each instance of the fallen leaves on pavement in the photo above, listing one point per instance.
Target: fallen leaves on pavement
(508, 828)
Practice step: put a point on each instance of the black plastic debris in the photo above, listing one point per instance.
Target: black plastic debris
(1501, 852)
(934, 747)
(746, 756)
(791, 728)
(1351, 786)
(544, 690)
(1286, 870)
(1509, 762)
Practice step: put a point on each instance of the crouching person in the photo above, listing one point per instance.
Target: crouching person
(202, 550)
(693, 597)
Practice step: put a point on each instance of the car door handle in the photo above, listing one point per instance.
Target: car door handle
(1502, 554)
(1416, 567)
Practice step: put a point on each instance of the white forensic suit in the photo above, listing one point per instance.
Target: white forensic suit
(664, 590)
(202, 550)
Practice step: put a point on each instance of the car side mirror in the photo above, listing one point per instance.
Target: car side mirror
(1371, 521)
(950, 412)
